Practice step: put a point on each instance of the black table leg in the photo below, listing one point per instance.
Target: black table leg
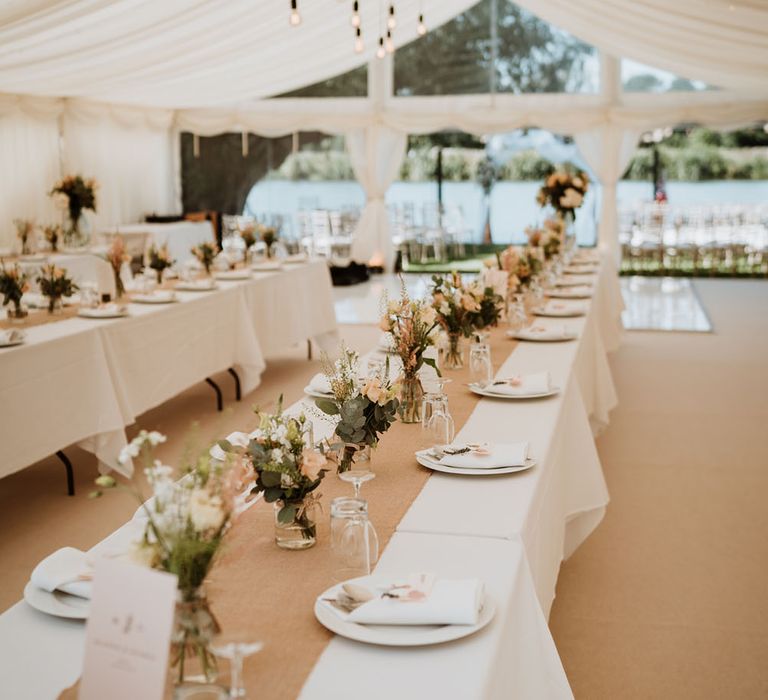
(309, 348)
(70, 472)
(219, 398)
(238, 394)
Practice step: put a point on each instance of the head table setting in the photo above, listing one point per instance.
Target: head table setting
(409, 513)
(383, 350)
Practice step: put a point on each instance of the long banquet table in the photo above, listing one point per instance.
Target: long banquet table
(120, 368)
(512, 532)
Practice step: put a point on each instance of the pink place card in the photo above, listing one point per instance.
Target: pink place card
(128, 632)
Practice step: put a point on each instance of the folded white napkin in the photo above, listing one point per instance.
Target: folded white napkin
(512, 454)
(450, 602)
(320, 383)
(543, 333)
(563, 308)
(11, 335)
(522, 385)
(62, 571)
(237, 439)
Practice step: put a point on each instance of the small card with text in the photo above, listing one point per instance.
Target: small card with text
(128, 633)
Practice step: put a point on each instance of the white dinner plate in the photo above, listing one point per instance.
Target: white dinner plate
(540, 337)
(10, 344)
(267, 266)
(570, 293)
(580, 270)
(233, 275)
(316, 394)
(57, 603)
(490, 393)
(564, 283)
(102, 313)
(33, 257)
(154, 298)
(425, 460)
(396, 635)
(559, 313)
(199, 286)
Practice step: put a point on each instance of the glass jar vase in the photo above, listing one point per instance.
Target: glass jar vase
(411, 397)
(295, 523)
(351, 454)
(194, 627)
(453, 352)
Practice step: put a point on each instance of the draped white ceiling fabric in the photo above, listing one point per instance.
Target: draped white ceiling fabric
(188, 53)
(722, 42)
(104, 87)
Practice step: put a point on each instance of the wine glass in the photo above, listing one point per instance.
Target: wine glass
(441, 428)
(357, 476)
(480, 369)
(235, 647)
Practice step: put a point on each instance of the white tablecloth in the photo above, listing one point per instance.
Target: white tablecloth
(82, 380)
(180, 236)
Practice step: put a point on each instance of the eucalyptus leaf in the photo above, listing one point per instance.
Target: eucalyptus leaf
(287, 514)
(269, 478)
(327, 406)
(272, 494)
(226, 445)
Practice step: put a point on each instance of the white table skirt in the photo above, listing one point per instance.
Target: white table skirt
(111, 371)
(180, 236)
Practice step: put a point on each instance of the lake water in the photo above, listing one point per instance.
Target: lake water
(513, 204)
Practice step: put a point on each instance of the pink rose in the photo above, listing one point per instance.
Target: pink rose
(311, 463)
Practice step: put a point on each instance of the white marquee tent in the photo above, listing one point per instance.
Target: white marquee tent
(104, 87)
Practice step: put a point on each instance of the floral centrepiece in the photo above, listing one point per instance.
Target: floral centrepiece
(185, 525)
(117, 256)
(75, 194)
(25, 232)
(159, 260)
(268, 236)
(53, 235)
(459, 310)
(549, 237)
(412, 325)
(288, 471)
(564, 191)
(364, 409)
(55, 284)
(13, 284)
(206, 253)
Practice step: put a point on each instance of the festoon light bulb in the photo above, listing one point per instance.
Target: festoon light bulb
(421, 28)
(389, 45)
(295, 18)
(391, 21)
(359, 45)
(355, 20)
(381, 51)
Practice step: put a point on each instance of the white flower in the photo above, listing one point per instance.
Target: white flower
(445, 308)
(130, 451)
(205, 511)
(155, 438)
(60, 200)
(276, 455)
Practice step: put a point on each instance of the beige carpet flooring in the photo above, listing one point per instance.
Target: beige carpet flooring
(669, 596)
(667, 599)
